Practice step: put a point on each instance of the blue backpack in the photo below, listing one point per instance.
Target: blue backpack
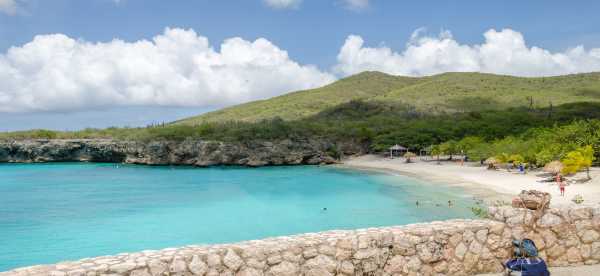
(529, 248)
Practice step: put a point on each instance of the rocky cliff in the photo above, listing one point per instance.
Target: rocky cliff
(189, 152)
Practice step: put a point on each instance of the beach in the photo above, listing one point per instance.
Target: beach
(488, 185)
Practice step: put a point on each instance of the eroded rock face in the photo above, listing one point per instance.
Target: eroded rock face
(189, 152)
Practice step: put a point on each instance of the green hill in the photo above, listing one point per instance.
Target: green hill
(302, 104)
(449, 92)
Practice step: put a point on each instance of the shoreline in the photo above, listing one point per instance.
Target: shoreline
(488, 185)
(474, 189)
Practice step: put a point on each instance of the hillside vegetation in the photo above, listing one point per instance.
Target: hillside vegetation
(302, 104)
(376, 124)
(445, 93)
(479, 114)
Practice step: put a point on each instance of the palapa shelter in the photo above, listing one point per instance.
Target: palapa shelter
(398, 150)
(554, 167)
(492, 162)
(408, 155)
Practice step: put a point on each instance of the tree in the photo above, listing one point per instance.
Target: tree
(480, 152)
(579, 159)
(572, 162)
(504, 159)
(588, 158)
(469, 143)
(408, 155)
(449, 147)
(516, 159)
(435, 150)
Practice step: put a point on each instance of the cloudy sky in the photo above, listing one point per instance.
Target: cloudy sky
(69, 64)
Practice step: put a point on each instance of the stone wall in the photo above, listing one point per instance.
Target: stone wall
(565, 237)
(455, 247)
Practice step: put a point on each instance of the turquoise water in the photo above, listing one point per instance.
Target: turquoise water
(55, 212)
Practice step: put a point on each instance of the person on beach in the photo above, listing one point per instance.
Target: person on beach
(561, 184)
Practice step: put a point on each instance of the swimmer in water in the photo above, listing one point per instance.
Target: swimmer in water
(324, 208)
(449, 203)
(417, 203)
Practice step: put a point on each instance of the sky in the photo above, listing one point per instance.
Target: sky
(72, 64)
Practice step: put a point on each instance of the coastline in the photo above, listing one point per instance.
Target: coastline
(487, 185)
(474, 189)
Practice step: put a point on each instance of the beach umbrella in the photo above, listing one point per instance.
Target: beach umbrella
(491, 161)
(408, 155)
(554, 167)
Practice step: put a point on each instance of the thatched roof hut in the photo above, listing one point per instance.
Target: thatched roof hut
(491, 161)
(554, 167)
(397, 149)
(408, 155)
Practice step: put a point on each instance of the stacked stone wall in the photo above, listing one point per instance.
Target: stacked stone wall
(456, 247)
(565, 237)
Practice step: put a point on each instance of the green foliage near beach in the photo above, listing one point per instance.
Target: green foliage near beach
(579, 159)
(380, 125)
(577, 144)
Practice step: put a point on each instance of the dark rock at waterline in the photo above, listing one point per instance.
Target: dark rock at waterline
(189, 152)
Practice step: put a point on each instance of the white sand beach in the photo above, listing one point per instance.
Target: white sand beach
(489, 185)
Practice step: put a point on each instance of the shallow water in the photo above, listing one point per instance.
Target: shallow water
(55, 212)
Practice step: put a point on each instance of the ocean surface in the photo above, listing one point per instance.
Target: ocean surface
(56, 212)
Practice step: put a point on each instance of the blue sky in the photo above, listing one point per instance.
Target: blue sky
(311, 32)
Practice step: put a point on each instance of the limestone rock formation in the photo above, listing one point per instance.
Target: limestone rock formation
(189, 152)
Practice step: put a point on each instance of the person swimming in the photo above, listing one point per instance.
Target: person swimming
(417, 203)
(324, 208)
(449, 203)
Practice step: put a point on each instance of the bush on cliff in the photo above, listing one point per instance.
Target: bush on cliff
(524, 131)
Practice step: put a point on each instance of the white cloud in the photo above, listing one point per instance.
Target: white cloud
(356, 4)
(8, 6)
(177, 68)
(283, 4)
(503, 52)
(180, 68)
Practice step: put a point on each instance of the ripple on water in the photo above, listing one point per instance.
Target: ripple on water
(55, 212)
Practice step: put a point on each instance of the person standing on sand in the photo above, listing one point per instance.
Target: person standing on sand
(561, 184)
